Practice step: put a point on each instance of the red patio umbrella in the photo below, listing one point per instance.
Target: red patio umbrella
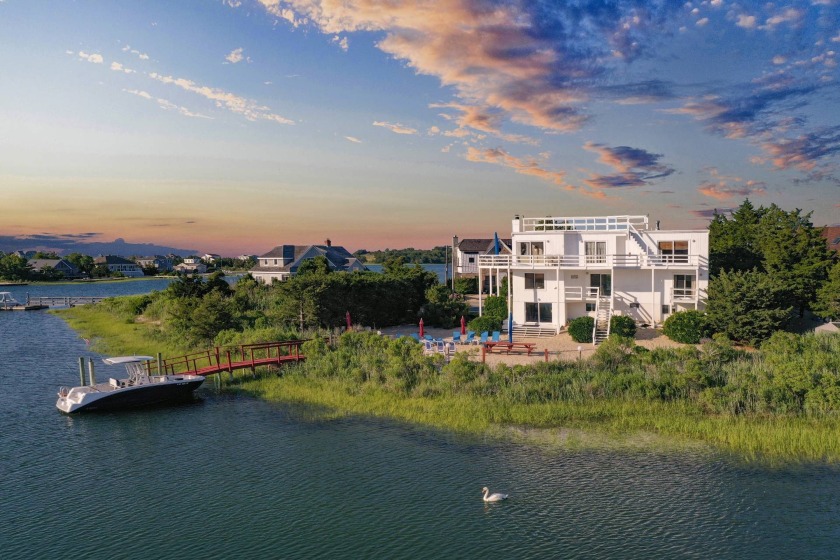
(349, 323)
(463, 325)
(421, 328)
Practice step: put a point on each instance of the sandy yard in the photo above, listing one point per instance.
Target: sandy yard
(560, 347)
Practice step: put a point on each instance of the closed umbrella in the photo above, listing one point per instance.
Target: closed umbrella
(463, 325)
(510, 327)
(421, 328)
(347, 317)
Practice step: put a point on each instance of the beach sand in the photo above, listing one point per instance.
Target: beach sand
(560, 347)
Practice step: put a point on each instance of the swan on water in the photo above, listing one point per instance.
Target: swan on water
(488, 497)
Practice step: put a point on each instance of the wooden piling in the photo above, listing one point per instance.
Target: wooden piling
(91, 374)
(82, 371)
(159, 363)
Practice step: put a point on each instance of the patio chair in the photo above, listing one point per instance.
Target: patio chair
(415, 336)
(483, 338)
(428, 337)
(456, 337)
(470, 337)
(496, 336)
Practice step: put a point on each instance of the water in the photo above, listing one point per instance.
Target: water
(230, 477)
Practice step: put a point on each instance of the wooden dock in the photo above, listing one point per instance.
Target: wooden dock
(61, 301)
(21, 307)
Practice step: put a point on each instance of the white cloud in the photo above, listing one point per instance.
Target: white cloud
(702, 22)
(779, 59)
(235, 56)
(135, 52)
(230, 101)
(745, 21)
(341, 42)
(396, 128)
(165, 104)
(117, 67)
(353, 139)
(94, 58)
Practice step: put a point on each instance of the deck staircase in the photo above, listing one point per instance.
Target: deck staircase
(603, 314)
(640, 242)
(523, 332)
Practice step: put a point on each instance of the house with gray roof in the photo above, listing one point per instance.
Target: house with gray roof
(116, 264)
(51, 266)
(282, 262)
(467, 251)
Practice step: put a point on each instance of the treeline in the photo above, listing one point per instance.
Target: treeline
(438, 255)
(193, 312)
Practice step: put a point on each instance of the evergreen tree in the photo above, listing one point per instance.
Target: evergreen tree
(733, 243)
(827, 305)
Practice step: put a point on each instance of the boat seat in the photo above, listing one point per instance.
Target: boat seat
(114, 382)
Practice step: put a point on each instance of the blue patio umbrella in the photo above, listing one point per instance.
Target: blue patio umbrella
(496, 243)
(510, 327)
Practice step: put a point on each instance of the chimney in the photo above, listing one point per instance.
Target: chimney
(328, 242)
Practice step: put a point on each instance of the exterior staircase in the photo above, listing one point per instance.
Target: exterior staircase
(603, 313)
(523, 332)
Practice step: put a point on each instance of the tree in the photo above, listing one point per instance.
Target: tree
(83, 262)
(15, 268)
(747, 306)
(316, 265)
(733, 243)
(827, 304)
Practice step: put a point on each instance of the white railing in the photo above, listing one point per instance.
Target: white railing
(590, 261)
(683, 294)
(586, 223)
(581, 293)
(468, 268)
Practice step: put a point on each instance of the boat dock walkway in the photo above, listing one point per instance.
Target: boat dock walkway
(221, 359)
(61, 301)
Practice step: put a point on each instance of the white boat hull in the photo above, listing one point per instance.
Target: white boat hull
(121, 394)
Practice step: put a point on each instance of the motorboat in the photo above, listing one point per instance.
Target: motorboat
(8, 301)
(140, 388)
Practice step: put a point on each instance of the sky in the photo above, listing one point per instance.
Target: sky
(233, 126)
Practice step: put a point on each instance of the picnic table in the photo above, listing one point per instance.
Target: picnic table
(511, 346)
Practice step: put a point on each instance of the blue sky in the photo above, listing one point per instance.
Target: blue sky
(234, 126)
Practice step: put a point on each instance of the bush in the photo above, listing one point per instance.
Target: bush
(580, 329)
(623, 326)
(685, 326)
(467, 285)
(495, 306)
(485, 323)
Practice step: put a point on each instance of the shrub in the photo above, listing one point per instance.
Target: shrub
(487, 323)
(467, 285)
(495, 306)
(685, 326)
(623, 326)
(580, 329)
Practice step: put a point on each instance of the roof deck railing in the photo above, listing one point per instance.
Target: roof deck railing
(583, 223)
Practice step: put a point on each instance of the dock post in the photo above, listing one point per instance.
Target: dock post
(81, 371)
(159, 363)
(546, 354)
(91, 374)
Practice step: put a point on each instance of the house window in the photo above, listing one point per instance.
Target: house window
(471, 260)
(531, 248)
(601, 281)
(674, 251)
(596, 252)
(590, 307)
(534, 281)
(683, 286)
(666, 309)
(537, 312)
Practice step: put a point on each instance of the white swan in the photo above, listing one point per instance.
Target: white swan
(488, 497)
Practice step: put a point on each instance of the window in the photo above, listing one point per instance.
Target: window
(537, 312)
(601, 281)
(683, 286)
(534, 281)
(674, 251)
(666, 309)
(471, 260)
(531, 248)
(590, 307)
(596, 252)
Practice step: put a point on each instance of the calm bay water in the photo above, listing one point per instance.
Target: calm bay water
(230, 477)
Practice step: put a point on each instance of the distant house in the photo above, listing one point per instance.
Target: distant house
(68, 269)
(191, 266)
(283, 261)
(210, 258)
(832, 237)
(118, 264)
(163, 264)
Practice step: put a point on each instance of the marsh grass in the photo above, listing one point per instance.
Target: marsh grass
(776, 406)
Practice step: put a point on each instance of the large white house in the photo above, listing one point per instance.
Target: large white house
(567, 267)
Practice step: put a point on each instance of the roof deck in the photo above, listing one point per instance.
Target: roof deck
(580, 223)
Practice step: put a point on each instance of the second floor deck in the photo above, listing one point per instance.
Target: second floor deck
(592, 261)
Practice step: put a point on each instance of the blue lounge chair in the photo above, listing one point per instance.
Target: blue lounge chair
(496, 336)
(483, 338)
(470, 337)
(456, 337)
(415, 336)
(428, 337)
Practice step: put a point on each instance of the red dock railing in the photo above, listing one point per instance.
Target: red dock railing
(220, 358)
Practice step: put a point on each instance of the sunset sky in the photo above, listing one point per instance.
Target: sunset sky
(234, 126)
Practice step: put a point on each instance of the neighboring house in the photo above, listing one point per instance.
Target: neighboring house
(566, 267)
(832, 237)
(467, 251)
(163, 264)
(283, 261)
(210, 258)
(68, 269)
(119, 264)
(191, 266)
